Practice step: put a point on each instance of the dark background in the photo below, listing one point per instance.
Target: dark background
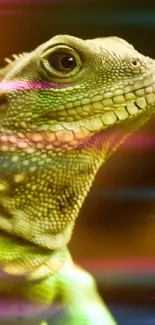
(115, 233)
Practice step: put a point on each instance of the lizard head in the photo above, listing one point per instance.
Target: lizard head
(74, 88)
(58, 105)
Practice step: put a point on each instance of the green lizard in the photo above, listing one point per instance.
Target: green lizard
(65, 108)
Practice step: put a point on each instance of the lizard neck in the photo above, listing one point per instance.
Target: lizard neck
(42, 194)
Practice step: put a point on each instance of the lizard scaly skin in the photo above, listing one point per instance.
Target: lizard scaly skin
(65, 108)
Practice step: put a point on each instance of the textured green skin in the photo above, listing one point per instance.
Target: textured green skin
(49, 155)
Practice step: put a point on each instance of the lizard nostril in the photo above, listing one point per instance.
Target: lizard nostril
(135, 63)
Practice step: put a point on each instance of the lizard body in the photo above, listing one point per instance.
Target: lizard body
(65, 108)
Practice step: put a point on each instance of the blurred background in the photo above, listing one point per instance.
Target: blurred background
(114, 237)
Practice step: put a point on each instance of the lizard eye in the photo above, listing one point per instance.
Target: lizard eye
(61, 61)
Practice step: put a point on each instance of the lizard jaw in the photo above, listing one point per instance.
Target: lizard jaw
(99, 113)
(111, 107)
(74, 122)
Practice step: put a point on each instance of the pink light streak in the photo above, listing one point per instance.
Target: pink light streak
(29, 85)
(139, 140)
(132, 265)
(136, 142)
(19, 2)
(10, 12)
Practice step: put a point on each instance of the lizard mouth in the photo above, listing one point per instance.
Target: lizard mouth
(102, 111)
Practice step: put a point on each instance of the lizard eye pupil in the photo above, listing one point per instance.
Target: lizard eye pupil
(68, 62)
(62, 62)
